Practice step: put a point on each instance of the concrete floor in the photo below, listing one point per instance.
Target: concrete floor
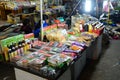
(107, 67)
(6, 72)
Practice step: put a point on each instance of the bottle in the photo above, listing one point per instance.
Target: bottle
(23, 45)
(16, 48)
(6, 55)
(90, 28)
(86, 27)
(81, 28)
(27, 44)
(9, 53)
(19, 47)
(13, 50)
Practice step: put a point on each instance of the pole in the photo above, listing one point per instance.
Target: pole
(108, 10)
(75, 8)
(41, 16)
(97, 8)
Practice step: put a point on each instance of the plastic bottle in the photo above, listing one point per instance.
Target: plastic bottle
(6, 53)
(12, 51)
(18, 50)
(9, 53)
(23, 45)
(90, 28)
(15, 49)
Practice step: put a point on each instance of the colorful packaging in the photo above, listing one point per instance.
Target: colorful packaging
(58, 60)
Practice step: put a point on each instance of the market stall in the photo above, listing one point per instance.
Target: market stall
(63, 55)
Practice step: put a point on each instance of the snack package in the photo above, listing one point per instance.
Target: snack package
(68, 43)
(58, 60)
(57, 35)
(34, 58)
(48, 71)
(45, 53)
(23, 63)
(32, 50)
(72, 38)
(60, 45)
(45, 48)
(16, 58)
(55, 49)
(36, 63)
(72, 55)
(79, 44)
(37, 47)
(50, 44)
(71, 51)
(55, 44)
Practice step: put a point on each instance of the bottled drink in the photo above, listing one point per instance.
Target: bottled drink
(90, 28)
(6, 55)
(13, 50)
(20, 48)
(9, 53)
(16, 48)
(23, 45)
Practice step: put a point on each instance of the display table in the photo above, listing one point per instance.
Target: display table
(23, 75)
(94, 50)
(72, 73)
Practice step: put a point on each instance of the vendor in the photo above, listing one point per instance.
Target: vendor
(26, 28)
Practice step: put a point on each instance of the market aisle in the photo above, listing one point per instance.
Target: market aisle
(6, 72)
(108, 67)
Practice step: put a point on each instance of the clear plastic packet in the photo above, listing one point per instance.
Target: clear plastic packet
(72, 55)
(58, 59)
(79, 44)
(23, 63)
(45, 48)
(72, 38)
(16, 58)
(71, 51)
(37, 47)
(68, 43)
(48, 71)
(51, 44)
(36, 64)
(52, 52)
(60, 45)
(57, 50)
(55, 44)
(32, 50)
(45, 53)
(76, 48)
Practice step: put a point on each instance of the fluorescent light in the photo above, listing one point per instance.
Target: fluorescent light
(105, 3)
(88, 5)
